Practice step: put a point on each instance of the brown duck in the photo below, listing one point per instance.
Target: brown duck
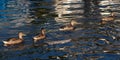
(13, 41)
(109, 18)
(40, 36)
(69, 26)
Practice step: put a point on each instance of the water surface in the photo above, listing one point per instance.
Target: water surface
(90, 40)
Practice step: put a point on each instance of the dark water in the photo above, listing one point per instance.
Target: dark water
(90, 41)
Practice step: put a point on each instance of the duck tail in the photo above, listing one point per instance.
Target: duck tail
(5, 42)
(34, 39)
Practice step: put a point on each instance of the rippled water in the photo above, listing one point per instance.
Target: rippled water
(90, 40)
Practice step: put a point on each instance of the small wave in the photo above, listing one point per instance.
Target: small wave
(59, 42)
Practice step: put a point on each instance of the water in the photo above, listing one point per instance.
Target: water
(90, 41)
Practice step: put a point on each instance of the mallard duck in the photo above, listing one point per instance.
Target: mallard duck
(109, 18)
(40, 36)
(69, 26)
(13, 41)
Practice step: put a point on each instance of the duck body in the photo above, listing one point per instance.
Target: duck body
(108, 18)
(68, 27)
(14, 41)
(40, 36)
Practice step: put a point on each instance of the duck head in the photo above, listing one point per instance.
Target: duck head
(112, 14)
(21, 34)
(73, 22)
(43, 30)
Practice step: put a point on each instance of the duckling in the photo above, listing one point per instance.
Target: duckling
(13, 41)
(69, 26)
(40, 36)
(109, 18)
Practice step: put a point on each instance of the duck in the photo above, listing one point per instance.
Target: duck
(68, 27)
(109, 18)
(40, 36)
(14, 41)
